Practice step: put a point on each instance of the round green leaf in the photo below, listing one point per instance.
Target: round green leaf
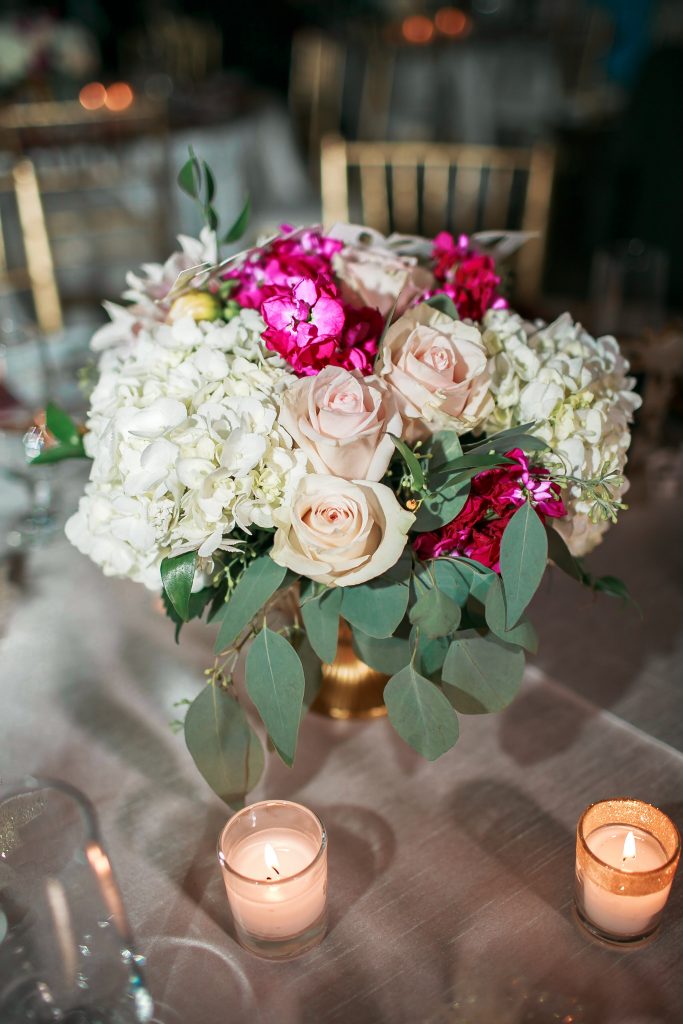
(377, 607)
(522, 635)
(482, 674)
(435, 613)
(523, 558)
(223, 745)
(387, 654)
(275, 683)
(259, 582)
(420, 713)
(321, 619)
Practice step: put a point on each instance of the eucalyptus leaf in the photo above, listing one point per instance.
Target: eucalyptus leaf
(473, 460)
(177, 576)
(444, 304)
(259, 582)
(321, 619)
(503, 440)
(420, 713)
(441, 506)
(435, 613)
(444, 446)
(377, 607)
(239, 226)
(479, 577)
(613, 586)
(521, 635)
(387, 654)
(482, 674)
(523, 559)
(414, 468)
(430, 653)
(275, 682)
(210, 182)
(449, 579)
(312, 666)
(189, 177)
(223, 745)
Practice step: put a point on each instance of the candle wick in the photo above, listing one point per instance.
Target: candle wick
(276, 870)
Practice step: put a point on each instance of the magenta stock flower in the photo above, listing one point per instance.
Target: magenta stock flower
(466, 276)
(310, 327)
(495, 495)
(281, 263)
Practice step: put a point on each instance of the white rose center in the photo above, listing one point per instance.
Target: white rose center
(439, 358)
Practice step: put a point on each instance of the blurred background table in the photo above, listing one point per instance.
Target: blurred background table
(450, 883)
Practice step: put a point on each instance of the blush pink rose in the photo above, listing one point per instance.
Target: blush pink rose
(377, 277)
(437, 368)
(340, 532)
(342, 421)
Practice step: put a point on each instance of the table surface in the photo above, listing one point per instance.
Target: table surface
(450, 883)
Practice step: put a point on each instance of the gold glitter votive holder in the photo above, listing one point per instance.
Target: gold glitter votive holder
(627, 852)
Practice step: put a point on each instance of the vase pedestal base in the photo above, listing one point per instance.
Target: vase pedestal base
(350, 688)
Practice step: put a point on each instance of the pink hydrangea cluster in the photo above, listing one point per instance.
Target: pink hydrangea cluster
(466, 276)
(495, 495)
(308, 323)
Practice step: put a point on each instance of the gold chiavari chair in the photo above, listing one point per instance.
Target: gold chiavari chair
(422, 187)
(103, 185)
(26, 263)
(316, 85)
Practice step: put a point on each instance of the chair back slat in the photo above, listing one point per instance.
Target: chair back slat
(468, 178)
(435, 195)
(33, 269)
(404, 196)
(374, 196)
(425, 187)
(497, 195)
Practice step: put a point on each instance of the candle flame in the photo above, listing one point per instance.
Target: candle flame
(629, 847)
(271, 859)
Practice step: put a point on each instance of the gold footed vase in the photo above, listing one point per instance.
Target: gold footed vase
(350, 688)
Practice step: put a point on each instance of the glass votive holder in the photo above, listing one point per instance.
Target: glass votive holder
(627, 853)
(273, 856)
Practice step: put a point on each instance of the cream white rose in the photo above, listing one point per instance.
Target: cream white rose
(437, 368)
(341, 532)
(342, 421)
(377, 277)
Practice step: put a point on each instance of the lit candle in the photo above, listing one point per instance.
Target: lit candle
(274, 860)
(626, 856)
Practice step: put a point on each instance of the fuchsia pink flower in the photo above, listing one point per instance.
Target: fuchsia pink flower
(311, 328)
(495, 495)
(466, 276)
(280, 264)
(291, 282)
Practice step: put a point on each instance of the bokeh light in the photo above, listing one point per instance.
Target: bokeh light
(92, 96)
(450, 21)
(119, 96)
(417, 29)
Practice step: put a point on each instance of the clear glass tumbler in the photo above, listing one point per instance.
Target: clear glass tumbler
(66, 950)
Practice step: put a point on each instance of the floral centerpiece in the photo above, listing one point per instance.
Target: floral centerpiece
(365, 419)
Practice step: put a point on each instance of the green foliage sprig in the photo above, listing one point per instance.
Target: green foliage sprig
(196, 179)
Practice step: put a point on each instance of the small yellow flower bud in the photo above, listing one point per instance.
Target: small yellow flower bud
(198, 305)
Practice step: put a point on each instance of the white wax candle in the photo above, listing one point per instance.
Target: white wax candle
(282, 905)
(629, 849)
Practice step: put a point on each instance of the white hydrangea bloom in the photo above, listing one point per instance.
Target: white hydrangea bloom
(146, 289)
(577, 390)
(187, 450)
